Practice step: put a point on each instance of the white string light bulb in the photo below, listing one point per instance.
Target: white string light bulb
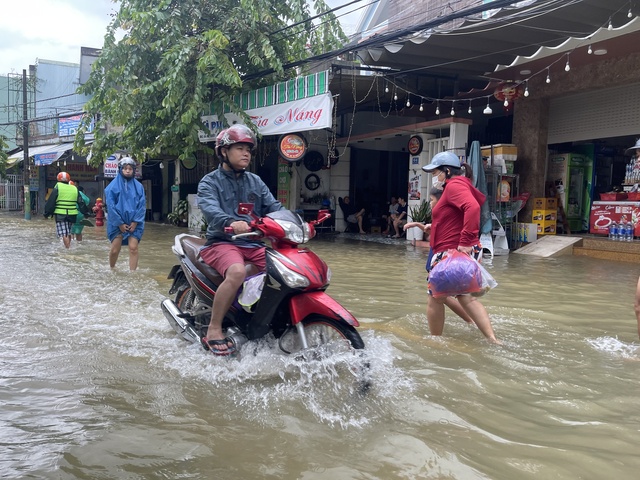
(567, 67)
(395, 95)
(453, 110)
(487, 110)
(386, 87)
(438, 108)
(548, 80)
(630, 14)
(469, 111)
(506, 103)
(610, 27)
(589, 50)
(421, 106)
(526, 89)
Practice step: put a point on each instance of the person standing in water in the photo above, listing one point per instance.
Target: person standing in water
(126, 209)
(451, 302)
(65, 203)
(455, 225)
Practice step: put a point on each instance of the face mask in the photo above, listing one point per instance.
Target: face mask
(435, 183)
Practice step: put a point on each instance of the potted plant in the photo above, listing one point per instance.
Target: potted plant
(420, 213)
(179, 215)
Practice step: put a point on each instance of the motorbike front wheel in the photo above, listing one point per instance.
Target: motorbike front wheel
(320, 330)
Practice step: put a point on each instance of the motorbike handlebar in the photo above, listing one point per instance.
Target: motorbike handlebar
(229, 231)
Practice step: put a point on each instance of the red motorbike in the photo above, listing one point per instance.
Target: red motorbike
(288, 300)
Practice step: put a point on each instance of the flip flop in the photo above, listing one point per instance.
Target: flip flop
(209, 344)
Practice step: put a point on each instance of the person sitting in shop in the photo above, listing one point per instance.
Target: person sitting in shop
(352, 215)
(401, 218)
(390, 216)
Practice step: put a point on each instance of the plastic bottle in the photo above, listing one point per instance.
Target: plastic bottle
(629, 232)
(622, 230)
(613, 231)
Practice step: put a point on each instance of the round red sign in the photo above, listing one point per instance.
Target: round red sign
(292, 146)
(415, 145)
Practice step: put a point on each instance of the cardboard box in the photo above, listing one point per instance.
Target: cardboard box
(549, 203)
(503, 151)
(546, 228)
(545, 215)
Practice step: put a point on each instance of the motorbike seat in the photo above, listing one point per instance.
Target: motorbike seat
(191, 247)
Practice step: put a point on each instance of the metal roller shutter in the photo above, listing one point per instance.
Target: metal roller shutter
(612, 112)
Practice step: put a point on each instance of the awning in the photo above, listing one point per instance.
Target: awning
(42, 154)
(463, 55)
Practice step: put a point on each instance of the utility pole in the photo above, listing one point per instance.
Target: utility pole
(25, 147)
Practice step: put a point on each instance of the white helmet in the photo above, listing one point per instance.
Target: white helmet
(126, 161)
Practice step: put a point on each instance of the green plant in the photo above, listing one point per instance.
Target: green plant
(179, 214)
(421, 213)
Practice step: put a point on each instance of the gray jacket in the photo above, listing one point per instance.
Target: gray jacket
(219, 194)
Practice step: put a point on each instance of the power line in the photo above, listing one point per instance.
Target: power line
(386, 38)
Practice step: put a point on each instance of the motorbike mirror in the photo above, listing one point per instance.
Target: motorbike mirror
(245, 208)
(323, 214)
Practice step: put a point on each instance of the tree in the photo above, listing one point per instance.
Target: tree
(178, 57)
(3, 156)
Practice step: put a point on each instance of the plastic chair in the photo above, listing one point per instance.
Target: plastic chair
(500, 243)
(487, 243)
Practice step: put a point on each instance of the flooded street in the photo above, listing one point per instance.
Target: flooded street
(95, 384)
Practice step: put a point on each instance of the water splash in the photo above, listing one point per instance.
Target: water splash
(615, 347)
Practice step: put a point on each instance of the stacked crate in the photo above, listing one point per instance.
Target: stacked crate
(545, 215)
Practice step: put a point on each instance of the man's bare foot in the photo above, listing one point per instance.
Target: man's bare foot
(218, 346)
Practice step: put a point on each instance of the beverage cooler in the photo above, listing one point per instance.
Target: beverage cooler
(572, 175)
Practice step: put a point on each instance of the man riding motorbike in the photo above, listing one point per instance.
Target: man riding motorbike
(219, 194)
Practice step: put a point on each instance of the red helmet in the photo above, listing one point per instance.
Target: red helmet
(64, 177)
(235, 134)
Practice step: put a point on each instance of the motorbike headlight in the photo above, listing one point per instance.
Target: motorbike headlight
(293, 231)
(291, 278)
(328, 275)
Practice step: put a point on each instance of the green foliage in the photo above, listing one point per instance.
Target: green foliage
(180, 213)
(421, 213)
(178, 58)
(3, 156)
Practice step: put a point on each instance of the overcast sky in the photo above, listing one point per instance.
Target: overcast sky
(56, 29)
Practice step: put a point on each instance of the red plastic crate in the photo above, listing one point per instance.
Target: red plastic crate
(613, 196)
(634, 196)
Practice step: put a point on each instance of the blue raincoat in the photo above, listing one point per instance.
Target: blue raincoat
(126, 203)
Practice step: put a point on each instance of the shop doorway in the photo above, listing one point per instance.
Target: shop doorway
(376, 176)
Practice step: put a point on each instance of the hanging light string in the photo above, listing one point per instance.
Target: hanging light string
(398, 89)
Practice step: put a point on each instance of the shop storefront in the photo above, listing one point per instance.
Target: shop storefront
(301, 106)
(590, 167)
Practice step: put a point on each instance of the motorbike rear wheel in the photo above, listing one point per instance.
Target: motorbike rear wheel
(185, 298)
(320, 330)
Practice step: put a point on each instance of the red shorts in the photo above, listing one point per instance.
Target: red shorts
(222, 255)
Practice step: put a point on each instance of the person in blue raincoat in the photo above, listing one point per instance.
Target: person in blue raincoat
(126, 210)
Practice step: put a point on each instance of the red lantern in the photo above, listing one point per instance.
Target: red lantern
(508, 91)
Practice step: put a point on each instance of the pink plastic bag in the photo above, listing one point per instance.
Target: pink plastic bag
(456, 274)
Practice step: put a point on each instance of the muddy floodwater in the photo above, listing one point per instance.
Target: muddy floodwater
(94, 383)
